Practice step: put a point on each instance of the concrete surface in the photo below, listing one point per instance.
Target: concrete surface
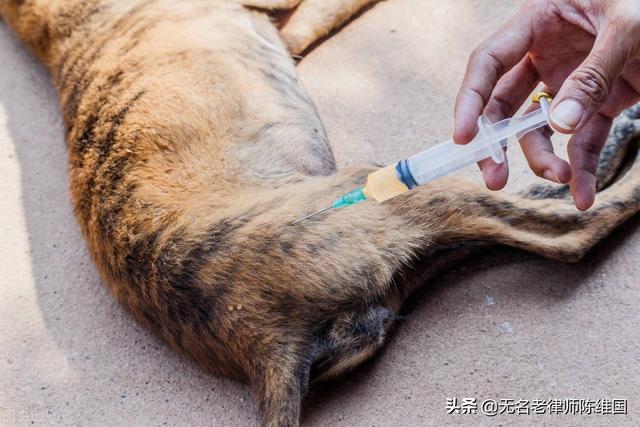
(505, 326)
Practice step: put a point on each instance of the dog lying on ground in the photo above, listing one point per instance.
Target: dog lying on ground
(192, 147)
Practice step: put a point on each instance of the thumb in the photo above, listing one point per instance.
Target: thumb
(586, 90)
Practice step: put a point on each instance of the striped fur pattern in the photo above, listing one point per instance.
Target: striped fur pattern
(192, 146)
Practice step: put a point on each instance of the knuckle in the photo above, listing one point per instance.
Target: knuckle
(485, 57)
(476, 54)
(546, 12)
(499, 108)
(480, 93)
(592, 82)
(494, 63)
(588, 160)
(589, 149)
(494, 111)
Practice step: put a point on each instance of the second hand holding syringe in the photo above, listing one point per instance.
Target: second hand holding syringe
(444, 158)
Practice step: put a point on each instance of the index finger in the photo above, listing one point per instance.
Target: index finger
(487, 64)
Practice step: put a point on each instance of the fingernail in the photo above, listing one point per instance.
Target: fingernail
(567, 114)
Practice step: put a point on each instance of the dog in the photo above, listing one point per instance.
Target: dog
(192, 148)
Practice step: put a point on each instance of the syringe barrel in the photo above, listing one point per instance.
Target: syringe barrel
(436, 162)
(449, 157)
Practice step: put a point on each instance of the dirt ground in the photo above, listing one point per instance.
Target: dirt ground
(506, 325)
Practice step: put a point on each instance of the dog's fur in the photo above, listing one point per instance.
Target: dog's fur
(192, 148)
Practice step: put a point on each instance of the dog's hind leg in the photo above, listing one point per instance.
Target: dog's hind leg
(315, 19)
(271, 4)
(311, 21)
(545, 220)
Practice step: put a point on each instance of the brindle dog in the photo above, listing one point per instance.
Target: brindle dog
(192, 148)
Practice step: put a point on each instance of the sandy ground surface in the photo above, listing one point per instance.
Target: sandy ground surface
(507, 325)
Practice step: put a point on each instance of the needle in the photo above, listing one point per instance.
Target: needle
(311, 215)
(351, 198)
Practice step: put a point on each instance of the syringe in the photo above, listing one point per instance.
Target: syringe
(444, 158)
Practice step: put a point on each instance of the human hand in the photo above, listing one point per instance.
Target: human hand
(587, 53)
